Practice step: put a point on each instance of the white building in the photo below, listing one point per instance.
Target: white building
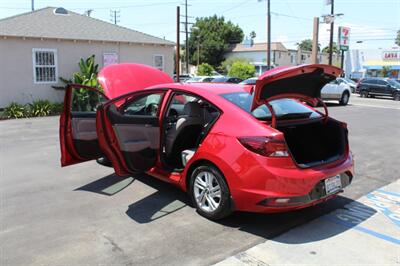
(38, 47)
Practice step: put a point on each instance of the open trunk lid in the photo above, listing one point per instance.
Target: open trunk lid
(302, 82)
(119, 79)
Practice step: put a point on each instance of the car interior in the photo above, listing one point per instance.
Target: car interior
(187, 121)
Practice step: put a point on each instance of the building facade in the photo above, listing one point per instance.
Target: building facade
(361, 63)
(38, 47)
(280, 56)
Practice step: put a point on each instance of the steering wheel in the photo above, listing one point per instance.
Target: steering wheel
(152, 109)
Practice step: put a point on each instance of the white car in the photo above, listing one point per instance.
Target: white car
(200, 79)
(336, 90)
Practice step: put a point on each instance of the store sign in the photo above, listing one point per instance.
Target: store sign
(344, 34)
(110, 59)
(391, 56)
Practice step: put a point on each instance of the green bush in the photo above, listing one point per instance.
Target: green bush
(16, 110)
(205, 69)
(227, 64)
(242, 70)
(40, 108)
(57, 108)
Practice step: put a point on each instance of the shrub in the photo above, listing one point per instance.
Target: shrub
(57, 108)
(16, 110)
(227, 64)
(40, 108)
(205, 69)
(242, 70)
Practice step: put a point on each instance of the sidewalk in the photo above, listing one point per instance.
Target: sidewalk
(366, 231)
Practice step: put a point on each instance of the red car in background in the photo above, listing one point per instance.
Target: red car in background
(231, 147)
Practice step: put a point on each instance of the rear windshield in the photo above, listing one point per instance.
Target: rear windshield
(283, 108)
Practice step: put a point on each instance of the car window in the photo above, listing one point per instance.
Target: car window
(394, 83)
(369, 81)
(207, 79)
(381, 82)
(143, 106)
(84, 100)
(283, 108)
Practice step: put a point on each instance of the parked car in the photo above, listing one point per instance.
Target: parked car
(229, 146)
(200, 79)
(249, 81)
(336, 90)
(371, 87)
(182, 77)
(348, 82)
(227, 80)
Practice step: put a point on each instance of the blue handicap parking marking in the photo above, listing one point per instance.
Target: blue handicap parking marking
(379, 201)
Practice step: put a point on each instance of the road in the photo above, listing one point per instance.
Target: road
(83, 214)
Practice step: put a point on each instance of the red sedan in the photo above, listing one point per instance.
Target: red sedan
(230, 147)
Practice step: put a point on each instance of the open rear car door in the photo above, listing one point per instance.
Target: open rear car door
(128, 128)
(78, 137)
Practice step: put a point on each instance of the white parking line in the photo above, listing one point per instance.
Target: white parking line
(375, 106)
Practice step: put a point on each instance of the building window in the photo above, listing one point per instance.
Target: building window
(44, 65)
(292, 58)
(158, 61)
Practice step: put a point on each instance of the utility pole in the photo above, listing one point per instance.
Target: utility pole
(314, 53)
(33, 5)
(114, 14)
(268, 34)
(331, 32)
(178, 46)
(186, 40)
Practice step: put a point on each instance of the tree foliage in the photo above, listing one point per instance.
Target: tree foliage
(214, 35)
(397, 41)
(241, 69)
(306, 45)
(227, 64)
(205, 69)
(335, 48)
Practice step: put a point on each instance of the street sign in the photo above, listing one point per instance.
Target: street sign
(343, 42)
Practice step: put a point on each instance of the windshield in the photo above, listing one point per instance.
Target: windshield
(250, 81)
(393, 83)
(350, 81)
(283, 108)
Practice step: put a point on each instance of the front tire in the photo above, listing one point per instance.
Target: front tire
(344, 100)
(210, 193)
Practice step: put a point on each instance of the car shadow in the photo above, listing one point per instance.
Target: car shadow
(166, 200)
(108, 185)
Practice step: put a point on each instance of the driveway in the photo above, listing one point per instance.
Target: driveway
(83, 214)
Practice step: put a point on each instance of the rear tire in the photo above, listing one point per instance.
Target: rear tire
(344, 100)
(209, 192)
(396, 97)
(364, 94)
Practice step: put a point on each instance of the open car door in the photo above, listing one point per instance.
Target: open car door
(128, 128)
(78, 136)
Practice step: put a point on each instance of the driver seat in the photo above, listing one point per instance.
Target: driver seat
(184, 133)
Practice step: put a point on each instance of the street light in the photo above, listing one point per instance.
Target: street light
(198, 45)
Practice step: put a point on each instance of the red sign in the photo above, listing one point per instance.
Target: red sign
(391, 55)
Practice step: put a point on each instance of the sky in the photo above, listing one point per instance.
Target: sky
(374, 22)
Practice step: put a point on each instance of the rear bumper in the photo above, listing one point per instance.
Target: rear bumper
(303, 187)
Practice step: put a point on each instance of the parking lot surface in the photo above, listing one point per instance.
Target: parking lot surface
(83, 214)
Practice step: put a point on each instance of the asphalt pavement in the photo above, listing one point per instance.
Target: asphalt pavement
(83, 214)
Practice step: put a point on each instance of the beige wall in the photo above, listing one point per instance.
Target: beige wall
(16, 75)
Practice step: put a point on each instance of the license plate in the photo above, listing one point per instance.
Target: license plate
(333, 184)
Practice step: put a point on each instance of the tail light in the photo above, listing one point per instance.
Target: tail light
(266, 146)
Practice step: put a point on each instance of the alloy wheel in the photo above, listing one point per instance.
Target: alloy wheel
(207, 191)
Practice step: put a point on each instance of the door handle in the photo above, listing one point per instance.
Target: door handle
(148, 125)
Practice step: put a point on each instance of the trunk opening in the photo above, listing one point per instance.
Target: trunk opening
(315, 143)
